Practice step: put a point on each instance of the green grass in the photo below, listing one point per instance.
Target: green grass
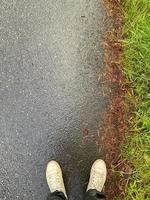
(136, 40)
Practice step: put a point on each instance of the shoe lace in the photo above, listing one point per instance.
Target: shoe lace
(94, 180)
(55, 181)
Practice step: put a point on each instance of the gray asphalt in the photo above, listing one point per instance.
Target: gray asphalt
(50, 99)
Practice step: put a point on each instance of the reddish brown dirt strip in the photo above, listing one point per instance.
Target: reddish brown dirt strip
(115, 120)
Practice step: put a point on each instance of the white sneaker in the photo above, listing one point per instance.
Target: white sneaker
(97, 176)
(55, 178)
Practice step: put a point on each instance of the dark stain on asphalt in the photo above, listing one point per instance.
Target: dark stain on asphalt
(85, 132)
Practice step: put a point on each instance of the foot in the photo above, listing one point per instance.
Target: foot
(97, 175)
(55, 178)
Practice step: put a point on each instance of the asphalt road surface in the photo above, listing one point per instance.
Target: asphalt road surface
(50, 99)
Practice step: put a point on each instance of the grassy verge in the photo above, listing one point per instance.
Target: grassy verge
(136, 40)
